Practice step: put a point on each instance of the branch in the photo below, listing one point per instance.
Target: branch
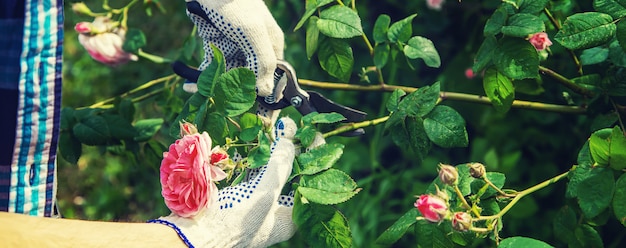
(567, 83)
(447, 95)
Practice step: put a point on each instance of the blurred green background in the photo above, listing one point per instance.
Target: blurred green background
(528, 146)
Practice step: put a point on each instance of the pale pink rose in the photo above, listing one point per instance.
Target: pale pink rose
(435, 4)
(432, 207)
(187, 177)
(540, 41)
(104, 41)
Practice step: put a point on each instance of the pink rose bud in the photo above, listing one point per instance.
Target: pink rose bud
(477, 170)
(187, 128)
(187, 177)
(448, 174)
(432, 208)
(83, 27)
(469, 73)
(218, 157)
(434, 4)
(461, 221)
(540, 41)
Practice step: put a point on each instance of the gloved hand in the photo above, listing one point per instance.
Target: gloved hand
(245, 32)
(250, 214)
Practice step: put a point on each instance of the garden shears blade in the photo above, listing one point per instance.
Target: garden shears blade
(306, 101)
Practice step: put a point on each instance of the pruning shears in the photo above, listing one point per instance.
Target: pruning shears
(305, 102)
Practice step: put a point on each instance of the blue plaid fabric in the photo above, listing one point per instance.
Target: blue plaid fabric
(30, 178)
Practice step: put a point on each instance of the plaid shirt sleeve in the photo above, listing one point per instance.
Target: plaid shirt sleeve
(30, 94)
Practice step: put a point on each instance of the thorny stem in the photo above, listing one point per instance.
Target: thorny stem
(557, 26)
(465, 204)
(354, 126)
(488, 182)
(135, 90)
(152, 57)
(522, 194)
(446, 95)
(566, 82)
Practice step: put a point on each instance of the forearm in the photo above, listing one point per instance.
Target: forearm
(19, 230)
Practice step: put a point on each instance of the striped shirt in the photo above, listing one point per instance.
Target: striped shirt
(30, 70)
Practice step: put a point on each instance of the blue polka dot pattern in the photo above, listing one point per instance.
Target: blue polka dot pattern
(230, 196)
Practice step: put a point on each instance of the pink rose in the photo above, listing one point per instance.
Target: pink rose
(104, 41)
(187, 177)
(540, 41)
(434, 4)
(469, 73)
(432, 207)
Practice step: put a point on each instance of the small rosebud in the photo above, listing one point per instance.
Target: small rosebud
(469, 73)
(540, 41)
(81, 8)
(477, 170)
(461, 221)
(448, 174)
(432, 208)
(218, 156)
(434, 4)
(83, 27)
(187, 128)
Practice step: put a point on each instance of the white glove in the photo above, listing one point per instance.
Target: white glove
(252, 213)
(247, 34)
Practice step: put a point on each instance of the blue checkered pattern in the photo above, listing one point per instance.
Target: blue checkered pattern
(36, 74)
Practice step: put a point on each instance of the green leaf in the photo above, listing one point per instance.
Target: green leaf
(618, 57)
(499, 89)
(401, 30)
(320, 158)
(587, 236)
(251, 125)
(484, 54)
(397, 230)
(432, 235)
(495, 23)
(259, 155)
(532, 6)
(521, 25)
(515, 242)
(619, 199)
(311, 7)
(422, 101)
(615, 8)
(586, 30)
(126, 109)
(417, 139)
(326, 227)
(594, 55)
(340, 22)
(306, 135)
(92, 131)
(420, 47)
(209, 77)
(394, 100)
(564, 225)
(147, 128)
(235, 91)
(331, 186)
(381, 27)
(322, 118)
(381, 55)
(516, 58)
(312, 37)
(599, 146)
(620, 34)
(617, 156)
(595, 193)
(119, 127)
(496, 178)
(335, 57)
(70, 147)
(134, 40)
(582, 171)
(446, 127)
(217, 127)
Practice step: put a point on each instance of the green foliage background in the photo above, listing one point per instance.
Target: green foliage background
(528, 146)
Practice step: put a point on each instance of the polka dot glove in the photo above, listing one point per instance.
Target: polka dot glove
(252, 213)
(245, 32)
